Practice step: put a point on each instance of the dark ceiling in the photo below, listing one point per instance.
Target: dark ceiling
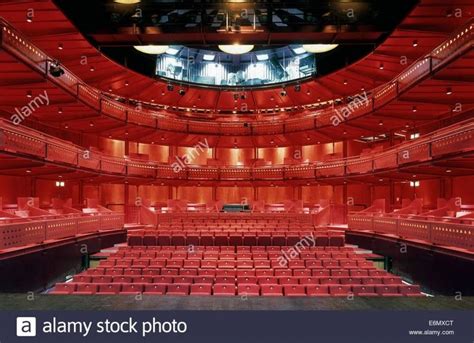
(357, 26)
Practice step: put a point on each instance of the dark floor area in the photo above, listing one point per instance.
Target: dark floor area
(55, 302)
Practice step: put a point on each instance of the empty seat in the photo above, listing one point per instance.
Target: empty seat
(109, 289)
(388, 290)
(132, 289)
(340, 290)
(317, 291)
(271, 290)
(224, 289)
(154, 289)
(294, 290)
(201, 289)
(64, 288)
(410, 290)
(86, 289)
(177, 289)
(364, 290)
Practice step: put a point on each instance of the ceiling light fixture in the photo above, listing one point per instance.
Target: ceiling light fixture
(127, 2)
(319, 48)
(152, 49)
(236, 49)
(55, 69)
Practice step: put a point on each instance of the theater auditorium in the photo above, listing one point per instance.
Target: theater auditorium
(237, 150)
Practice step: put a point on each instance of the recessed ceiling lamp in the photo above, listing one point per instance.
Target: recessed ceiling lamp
(127, 2)
(319, 48)
(236, 49)
(152, 49)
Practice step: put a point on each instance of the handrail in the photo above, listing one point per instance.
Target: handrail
(36, 231)
(442, 231)
(13, 42)
(23, 141)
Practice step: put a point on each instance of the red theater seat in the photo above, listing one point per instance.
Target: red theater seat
(318, 291)
(388, 290)
(295, 290)
(82, 278)
(340, 290)
(109, 289)
(149, 240)
(410, 290)
(177, 289)
(248, 290)
(86, 289)
(201, 289)
(364, 291)
(132, 289)
(154, 289)
(271, 290)
(224, 289)
(64, 288)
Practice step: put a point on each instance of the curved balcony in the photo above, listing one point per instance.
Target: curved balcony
(24, 142)
(18, 46)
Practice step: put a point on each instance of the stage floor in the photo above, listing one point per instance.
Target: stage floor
(57, 302)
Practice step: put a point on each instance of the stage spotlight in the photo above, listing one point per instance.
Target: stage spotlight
(236, 96)
(283, 92)
(297, 88)
(182, 91)
(170, 87)
(55, 69)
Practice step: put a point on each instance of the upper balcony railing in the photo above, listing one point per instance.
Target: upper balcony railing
(450, 141)
(17, 45)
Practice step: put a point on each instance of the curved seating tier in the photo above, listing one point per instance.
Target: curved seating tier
(19, 46)
(409, 223)
(454, 140)
(28, 225)
(232, 271)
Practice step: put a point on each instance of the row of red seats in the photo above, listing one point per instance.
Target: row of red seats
(233, 239)
(280, 272)
(232, 290)
(209, 219)
(239, 264)
(257, 280)
(238, 249)
(244, 229)
(243, 225)
(231, 255)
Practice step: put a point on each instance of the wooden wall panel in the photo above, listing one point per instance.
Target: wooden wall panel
(234, 194)
(234, 157)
